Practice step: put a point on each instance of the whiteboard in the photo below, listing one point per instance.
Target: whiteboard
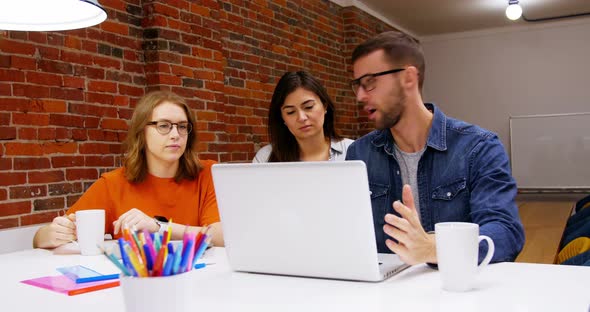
(551, 151)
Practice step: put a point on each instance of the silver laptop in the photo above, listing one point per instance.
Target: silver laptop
(309, 219)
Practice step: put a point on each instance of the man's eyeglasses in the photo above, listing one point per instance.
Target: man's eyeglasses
(164, 127)
(368, 81)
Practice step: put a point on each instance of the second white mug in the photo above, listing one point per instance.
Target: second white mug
(457, 250)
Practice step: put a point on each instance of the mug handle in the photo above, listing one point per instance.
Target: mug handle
(490, 253)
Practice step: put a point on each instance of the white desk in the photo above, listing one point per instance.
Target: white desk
(517, 287)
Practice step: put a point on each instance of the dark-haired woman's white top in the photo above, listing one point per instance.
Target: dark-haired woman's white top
(337, 151)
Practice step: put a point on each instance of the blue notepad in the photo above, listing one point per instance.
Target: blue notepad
(82, 274)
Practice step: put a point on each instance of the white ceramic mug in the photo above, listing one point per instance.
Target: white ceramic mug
(160, 293)
(457, 249)
(90, 230)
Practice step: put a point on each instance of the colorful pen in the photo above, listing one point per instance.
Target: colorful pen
(169, 261)
(202, 249)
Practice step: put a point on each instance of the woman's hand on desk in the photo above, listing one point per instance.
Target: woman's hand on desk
(61, 231)
(137, 218)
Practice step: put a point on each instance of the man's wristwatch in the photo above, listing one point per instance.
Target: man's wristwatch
(162, 222)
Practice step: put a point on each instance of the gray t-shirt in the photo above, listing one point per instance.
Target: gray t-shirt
(337, 151)
(408, 164)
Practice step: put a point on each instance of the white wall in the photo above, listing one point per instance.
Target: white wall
(485, 77)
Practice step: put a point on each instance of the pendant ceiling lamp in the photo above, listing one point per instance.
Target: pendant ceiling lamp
(50, 15)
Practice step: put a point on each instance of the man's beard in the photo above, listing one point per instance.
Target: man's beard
(391, 118)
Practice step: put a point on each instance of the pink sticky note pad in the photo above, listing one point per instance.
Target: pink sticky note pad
(62, 284)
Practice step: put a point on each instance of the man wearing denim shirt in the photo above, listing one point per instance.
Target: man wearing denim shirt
(450, 170)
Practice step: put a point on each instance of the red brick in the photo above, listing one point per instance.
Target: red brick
(125, 113)
(64, 188)
(102, 86)
(3, 194)
(75, 57)
(7, 133)
(5, 89)
(31, 91)
(67, 161)
(44, 79)
(102, 98)
(49, 204)
(106, 62)
(38, 37)
(30, 119)
(72, 42)
(91, 122)
(81, 174)
(166, 10)
(4, 119)
(25, 149)
(115, 124)
(51, 66)
(15, 208)
(206, 116)
(38, 218)
(66, 120)
(74, 82)
(8, 223)
(121, 100)
(56, 39)
(181, 71)
(114, 27)
(102, 135)
(5, 61)
(23, 62)
(200, 10)
(130, 90)
(89, 46)
(53, 106)
(20, 192)
(94, 110)
(99, 161)
(12, 178)
(12, 75)
(79, 134)
(27, 163)
(5, 163)
(59, 148)
(115, 4)
(133, 68)
(27, 134)
(42, 177)
(12, 104)
(94, 148)
(67, 94)
(15, 47)
(47, 134)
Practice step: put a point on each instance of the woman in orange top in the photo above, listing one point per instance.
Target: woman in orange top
(162, 176)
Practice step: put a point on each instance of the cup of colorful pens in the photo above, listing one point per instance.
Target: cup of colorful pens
(156, 273)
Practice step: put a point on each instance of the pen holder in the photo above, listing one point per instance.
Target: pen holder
(159, 293)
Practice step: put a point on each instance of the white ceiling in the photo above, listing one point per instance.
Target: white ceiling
(435, 17)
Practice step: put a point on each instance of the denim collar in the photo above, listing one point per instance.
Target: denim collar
(437, 137)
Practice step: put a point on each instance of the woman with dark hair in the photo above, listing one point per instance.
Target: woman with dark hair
(162, 176)
(301, 123)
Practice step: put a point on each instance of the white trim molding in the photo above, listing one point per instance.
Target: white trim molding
(362, 6)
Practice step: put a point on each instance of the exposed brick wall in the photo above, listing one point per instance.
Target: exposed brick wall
(66, 97)
(358, 27)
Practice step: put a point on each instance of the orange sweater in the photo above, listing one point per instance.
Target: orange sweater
(188, 202)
